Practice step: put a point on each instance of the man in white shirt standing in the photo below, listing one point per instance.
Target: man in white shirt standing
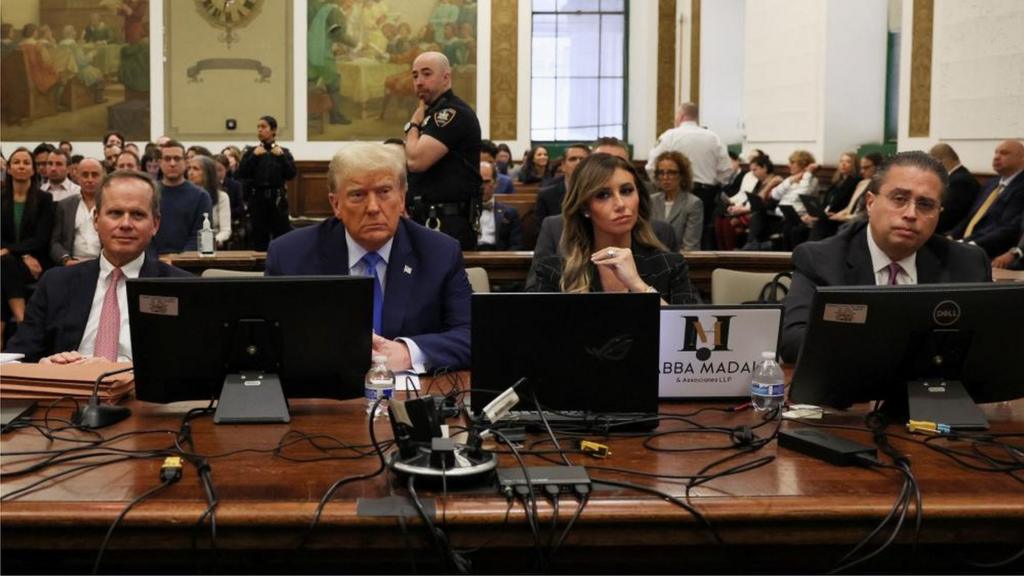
(708, 157)
(81, 311)
(74, 236)
(57, 182)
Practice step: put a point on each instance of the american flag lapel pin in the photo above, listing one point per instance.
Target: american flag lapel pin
(407, 270)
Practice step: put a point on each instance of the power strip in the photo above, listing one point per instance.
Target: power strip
(567, 479)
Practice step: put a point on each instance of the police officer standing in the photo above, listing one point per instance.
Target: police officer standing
(442, 148)
(264, 168)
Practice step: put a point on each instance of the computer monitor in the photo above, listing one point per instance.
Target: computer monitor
(867, 343)
(583, 353)
(250, 341)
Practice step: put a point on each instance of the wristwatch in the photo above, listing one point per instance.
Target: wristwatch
(411, 125)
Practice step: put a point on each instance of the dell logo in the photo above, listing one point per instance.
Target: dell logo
(946, 313)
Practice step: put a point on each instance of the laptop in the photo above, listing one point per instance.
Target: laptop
(813, 205)
(790, 214)
(591, 359)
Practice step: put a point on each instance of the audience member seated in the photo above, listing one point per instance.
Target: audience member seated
(962, 191)
(994, 221)
(608, 242)
(536, 169)
(801, 180)
(26, 219)
(151, 162)
(503, 159)
(57, 182)
(895, 246)
(182, 204)
(854, 209)
(549, 198)
(74, 237)
(110, 154)
(81, 311)
(40, 161)
(202, 172)
(489, 153)
(758, 219)
(421, 294)
(239, 219)
(127, 161)
(113, 139)
(500, 228)
(675, 201)
(837, 197)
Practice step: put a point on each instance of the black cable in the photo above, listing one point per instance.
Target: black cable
(584, 499)
(547, 426)
(124, 512)
(529, 502)
(441, 544)
(665, 496)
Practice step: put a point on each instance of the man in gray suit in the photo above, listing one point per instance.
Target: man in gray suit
(895, 246)
(74, 237)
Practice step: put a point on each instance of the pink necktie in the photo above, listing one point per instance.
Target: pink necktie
(110, 321)
(894, 272)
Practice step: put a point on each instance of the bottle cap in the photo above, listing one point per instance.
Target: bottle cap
(768, 355)
(380, 359)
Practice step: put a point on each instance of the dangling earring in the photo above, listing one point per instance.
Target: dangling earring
(586, 214)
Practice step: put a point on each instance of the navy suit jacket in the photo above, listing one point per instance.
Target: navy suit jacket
(844, 260)
(997, 230)
(508, 229)
(426, 293)
(59, 309)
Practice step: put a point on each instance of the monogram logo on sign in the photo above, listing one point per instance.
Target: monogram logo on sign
(695, 336)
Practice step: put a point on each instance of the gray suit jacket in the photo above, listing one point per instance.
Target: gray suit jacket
(844, 260)
(686, 217)
(62, 239)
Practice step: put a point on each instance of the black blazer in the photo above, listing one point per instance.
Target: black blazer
(844, 260)
(960, 196)
(997, 230)
(838, 195)
(665, 271)
(59, 308)
(508, 229)
(36, 225)
(549, 200)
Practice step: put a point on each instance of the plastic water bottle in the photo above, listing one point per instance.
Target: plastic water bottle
(206, 245)
(379, 383)
(768, 384)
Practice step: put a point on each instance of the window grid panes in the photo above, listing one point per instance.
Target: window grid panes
(578, 70)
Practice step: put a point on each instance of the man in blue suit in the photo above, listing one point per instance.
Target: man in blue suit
(421, 293)
(994, 221)
(72, 314)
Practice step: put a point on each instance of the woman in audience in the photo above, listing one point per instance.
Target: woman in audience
(113, 139)
(800, 181)
(838, 195)
(26, 221)
(151, 162)
(234, 156)
(675, 201)
(536, 168)
(202, 172)
(234, 190)
(197, 150)
(741, 217)
(503, 159)
(854, 208)
(607, 240)
(127, 160)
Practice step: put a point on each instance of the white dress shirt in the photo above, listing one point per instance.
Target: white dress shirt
(124, 340)
(220, 220)
(788, 193)
(65, 189)
(488, 230)
(356, 267)
(87, 242)
(707, 154)
(880, 263)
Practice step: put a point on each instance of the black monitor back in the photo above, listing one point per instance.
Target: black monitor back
(864, 343)
(188, 333)
(580, 352)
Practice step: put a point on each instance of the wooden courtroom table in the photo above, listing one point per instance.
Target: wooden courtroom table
(793, 514)
(1004, 275)
(513, 266)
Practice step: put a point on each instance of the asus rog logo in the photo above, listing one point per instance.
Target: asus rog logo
(614, 350)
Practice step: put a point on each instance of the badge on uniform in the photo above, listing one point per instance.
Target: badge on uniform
(444, 117)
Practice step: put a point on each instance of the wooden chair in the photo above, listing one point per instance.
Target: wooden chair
(478, 280)
(222, 273)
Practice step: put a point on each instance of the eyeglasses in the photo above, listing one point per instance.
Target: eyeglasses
(923, 206)
(660, 173)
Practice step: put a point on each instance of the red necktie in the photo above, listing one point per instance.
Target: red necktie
(110, 321)
(894, 272)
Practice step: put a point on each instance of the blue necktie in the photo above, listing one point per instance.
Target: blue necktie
(370, 260)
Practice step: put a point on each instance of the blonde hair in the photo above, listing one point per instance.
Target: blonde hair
(577, 241)
(365, 157)
(837, 176)
(802, 157)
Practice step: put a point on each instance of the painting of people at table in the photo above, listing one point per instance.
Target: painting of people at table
(360, 54)
(74, 70)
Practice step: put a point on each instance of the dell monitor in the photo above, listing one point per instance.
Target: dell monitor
(868, 343)
(250, 341)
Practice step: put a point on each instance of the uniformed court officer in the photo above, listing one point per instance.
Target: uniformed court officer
(265, 168)
(442, 148)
